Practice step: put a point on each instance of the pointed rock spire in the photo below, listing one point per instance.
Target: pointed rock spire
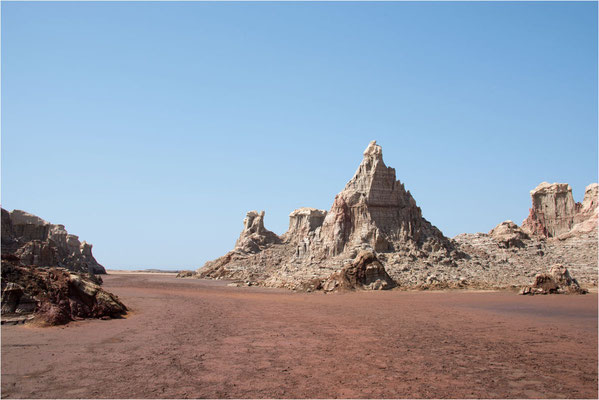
(375, 210)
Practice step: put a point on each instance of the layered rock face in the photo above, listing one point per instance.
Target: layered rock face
(557, 231)
(37, 242)
(376, 215)
(554, 211)
(255, 237)
(374, 212)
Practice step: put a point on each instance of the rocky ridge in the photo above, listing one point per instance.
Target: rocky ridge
(40, 243)
(376, 214)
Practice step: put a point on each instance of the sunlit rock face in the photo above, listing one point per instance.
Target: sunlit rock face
(374, 210)
(374, 214)
(554, 211)
(39, 243)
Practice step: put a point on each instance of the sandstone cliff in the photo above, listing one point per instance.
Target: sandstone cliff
(40, 243)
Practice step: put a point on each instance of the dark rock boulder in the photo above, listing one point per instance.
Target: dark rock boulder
(53, 295)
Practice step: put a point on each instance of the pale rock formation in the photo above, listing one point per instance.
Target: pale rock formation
(304, 229)
(375, 210)
(585, 219)
(493, 260)
(376, 214)
(255, 237)
(508, 234)
(553, 210)
(40, 243)
(557, 281)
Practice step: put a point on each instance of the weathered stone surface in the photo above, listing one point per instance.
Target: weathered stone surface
(557, 281)
(255, 237)
(53, 295)
(507, 234)
(365, 272)
(375, 213)
(554, 211)
(375, 210)
(492, 262)
(40, 243)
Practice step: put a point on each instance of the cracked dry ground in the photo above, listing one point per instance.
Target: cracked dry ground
(194, 338)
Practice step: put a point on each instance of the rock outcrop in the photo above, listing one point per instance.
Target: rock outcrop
(508, 234)
(374, 214)
(554, 211)
(375, 210)
(365, 272)
(255, 237)
(53, 296)
(557, 231)
(40, 243)
(557, 281)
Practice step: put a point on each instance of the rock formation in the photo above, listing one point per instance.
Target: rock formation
(376, 211)
(374, 214)
(255, 237)
(554, 211)
(37, 242)
(507, 234)
(557, 231)
(558, 280)
(365, 272)
(53, 295)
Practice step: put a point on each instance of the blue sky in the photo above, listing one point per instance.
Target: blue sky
(149, 129)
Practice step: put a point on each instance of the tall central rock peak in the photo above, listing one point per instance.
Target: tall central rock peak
(375, 210)
(373, 213)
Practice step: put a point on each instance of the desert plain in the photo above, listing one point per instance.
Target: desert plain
(195, 338)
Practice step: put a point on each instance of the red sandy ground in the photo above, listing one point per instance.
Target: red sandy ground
(192, 338)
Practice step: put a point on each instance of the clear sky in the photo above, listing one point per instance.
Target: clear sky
(149, 129)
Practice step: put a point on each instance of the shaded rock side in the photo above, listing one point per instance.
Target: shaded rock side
(557, 281)
(365, 272)
(53, 295)
(40, 243)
